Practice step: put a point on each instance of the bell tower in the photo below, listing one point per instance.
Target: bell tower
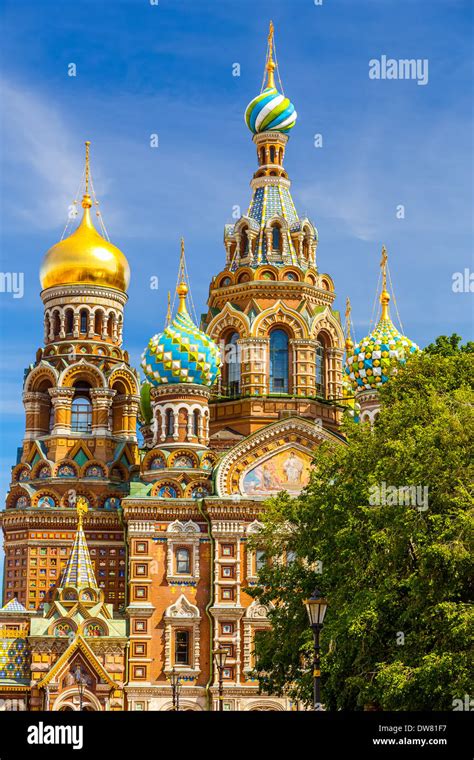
(271, 308)
(81, 400)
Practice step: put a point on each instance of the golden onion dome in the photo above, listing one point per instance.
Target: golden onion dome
(85, 257)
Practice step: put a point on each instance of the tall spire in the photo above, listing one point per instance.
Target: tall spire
(86, 198)
(384, 295)
(168, 311)
(79, 572)
(182, 289)
(270, 64)
(349, 341)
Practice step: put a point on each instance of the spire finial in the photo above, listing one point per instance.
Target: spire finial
(182, 289)
(349, 342)
(384, 295)
(168, 311)
(81, 509)
(270, 65)
(86, 199)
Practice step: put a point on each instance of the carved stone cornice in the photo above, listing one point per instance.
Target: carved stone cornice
(265, 181)
(89, 293)
(180, 390)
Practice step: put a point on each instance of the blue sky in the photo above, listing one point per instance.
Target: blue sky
(167, 69)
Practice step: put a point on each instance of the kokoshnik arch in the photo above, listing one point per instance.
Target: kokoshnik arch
(127, 561)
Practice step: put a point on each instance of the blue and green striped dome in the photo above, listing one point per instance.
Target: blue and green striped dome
(369, 362)
(270, 112)
(181, 353)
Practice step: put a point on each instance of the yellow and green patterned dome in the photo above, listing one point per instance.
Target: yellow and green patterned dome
(369, 362)
(181, 353)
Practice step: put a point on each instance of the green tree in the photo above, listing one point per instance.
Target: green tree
(396, 575)
(449, 346)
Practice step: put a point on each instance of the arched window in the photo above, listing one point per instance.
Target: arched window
(244, 242)
(56, 323)
(277, 243)
(183, 561)
(320, 384)
(98, 321)
(233, 365)
(69, 321)
(110, 324)
(81, 409)
(278, 361)
(272, 154)
(83, 327)
(169, 423)
(196, 422)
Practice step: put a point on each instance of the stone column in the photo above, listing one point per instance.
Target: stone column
(133, 407)
(334, 358)
(304, 369)
(35, 402)
(61, 399)
(101, 404)
(253, 366)
(75, 328)
(62, 324)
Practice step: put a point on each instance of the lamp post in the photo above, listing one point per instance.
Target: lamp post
(220, 656)
(175, 679)
(316, 607)
(80, 681)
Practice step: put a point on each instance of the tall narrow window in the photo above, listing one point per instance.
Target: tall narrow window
(276, 238)
(84, 316)
(278, 361)
(98, 321)
(233, 365)
(272, 154)
(183, 561)
(81, 409)
(181, 648)
(260, 559)
(196, 422)
(169, 423)
(69, 321)
(244, 242)
(320, 370)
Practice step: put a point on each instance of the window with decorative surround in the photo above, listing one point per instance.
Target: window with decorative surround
(254, 620)
(182, 636)
(182, 551)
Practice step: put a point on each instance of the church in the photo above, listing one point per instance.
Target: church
(135, 494)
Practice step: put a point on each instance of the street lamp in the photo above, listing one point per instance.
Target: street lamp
(80, 681)
(316, 607)
(175, 679)
(220, 656)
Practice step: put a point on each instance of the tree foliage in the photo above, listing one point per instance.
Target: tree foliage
(449, 346)
(397, 630)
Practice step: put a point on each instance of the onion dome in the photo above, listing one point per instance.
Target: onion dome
(181, 353)
(85, 256)
(370, 362)
(270, 111)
